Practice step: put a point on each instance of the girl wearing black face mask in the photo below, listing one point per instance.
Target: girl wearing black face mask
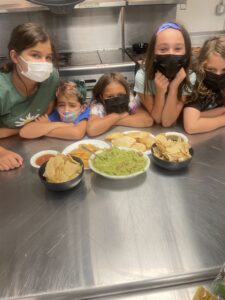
(205, 109)
(163, 81)
(112, 105)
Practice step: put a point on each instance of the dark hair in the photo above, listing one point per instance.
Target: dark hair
(150, 57)
(214, 45)
(105, 80)
(72, 89)
(23, 37)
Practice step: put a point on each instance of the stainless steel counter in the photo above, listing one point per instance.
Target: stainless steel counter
(110, 237)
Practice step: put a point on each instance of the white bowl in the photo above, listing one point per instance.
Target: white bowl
(120, 176)
(178, 134)
(39, 154)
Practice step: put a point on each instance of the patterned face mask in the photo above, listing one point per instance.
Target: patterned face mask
(37, 71)
(169, 64)
(117, 104)
(68, 117)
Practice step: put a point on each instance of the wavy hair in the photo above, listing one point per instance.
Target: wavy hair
(215, 45)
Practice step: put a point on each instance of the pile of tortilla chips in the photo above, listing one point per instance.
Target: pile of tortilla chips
(171, 150)
(61, 168)
(139, 140)
(83, 154)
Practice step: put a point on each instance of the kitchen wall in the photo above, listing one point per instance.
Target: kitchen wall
(200, 19)
(92, 28)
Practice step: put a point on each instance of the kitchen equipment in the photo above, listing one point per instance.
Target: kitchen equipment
(58, 6)
(220, 8)
(140, 48)
(91, 65)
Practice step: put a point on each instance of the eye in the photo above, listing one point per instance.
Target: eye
(163, 49)
(36, 56)
(61, 105)
(211, 70)
(49, 58)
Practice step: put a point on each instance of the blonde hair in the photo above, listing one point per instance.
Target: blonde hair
(215, 45)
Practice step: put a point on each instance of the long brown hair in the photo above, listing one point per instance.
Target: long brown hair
(105, 80)
(148, 65)
(214, 45)
(23, 37)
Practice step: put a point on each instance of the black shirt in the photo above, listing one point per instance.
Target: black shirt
(207, 102)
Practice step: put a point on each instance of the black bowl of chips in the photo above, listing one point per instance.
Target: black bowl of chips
(72, 174)
(167, 164)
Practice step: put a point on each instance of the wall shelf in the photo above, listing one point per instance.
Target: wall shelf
(25, 6)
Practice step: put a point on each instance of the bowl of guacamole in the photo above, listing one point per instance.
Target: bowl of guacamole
(119, 163)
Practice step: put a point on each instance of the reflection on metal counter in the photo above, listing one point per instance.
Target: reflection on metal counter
(104, 237)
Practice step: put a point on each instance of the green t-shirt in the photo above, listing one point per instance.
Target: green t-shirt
(15, 109)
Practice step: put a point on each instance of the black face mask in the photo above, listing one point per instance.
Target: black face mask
(118, 104)
(169, 64)
(214, 81)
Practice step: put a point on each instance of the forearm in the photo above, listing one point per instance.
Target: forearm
(139, 119)
(201, 124)
(5, 132)
(172, 108)
(213, 112)
(158, 107)
(100, 125)
(36, 129)
(72, 132)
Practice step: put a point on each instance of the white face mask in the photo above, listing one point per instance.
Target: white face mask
(37, 71)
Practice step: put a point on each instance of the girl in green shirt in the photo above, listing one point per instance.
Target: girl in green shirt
(27, 82)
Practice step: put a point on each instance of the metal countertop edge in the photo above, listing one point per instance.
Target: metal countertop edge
(130, 287)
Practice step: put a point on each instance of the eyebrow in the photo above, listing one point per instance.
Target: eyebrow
(39, 52)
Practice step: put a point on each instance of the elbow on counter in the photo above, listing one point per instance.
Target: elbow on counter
(190, 129)
(23, 133)
(167, 123)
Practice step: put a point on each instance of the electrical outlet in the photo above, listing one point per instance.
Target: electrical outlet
(183, 6)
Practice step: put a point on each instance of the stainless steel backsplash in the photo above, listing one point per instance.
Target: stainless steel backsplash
(92, 28)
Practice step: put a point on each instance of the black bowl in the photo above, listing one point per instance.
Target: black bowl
(63, 186)
(170, 165)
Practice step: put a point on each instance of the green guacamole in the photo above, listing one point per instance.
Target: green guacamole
(119, 162)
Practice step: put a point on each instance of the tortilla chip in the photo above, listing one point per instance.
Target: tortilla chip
(171, 150)
(125, 141)
(138, 134)
(203, 294)
(139, 146)
(147, 141)
(61, 168)
(114, 135)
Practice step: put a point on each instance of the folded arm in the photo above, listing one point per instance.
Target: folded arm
(5, 132)
(72, 132)
(141, 118)
(197, 122)
(35, 130)
(97, 125)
